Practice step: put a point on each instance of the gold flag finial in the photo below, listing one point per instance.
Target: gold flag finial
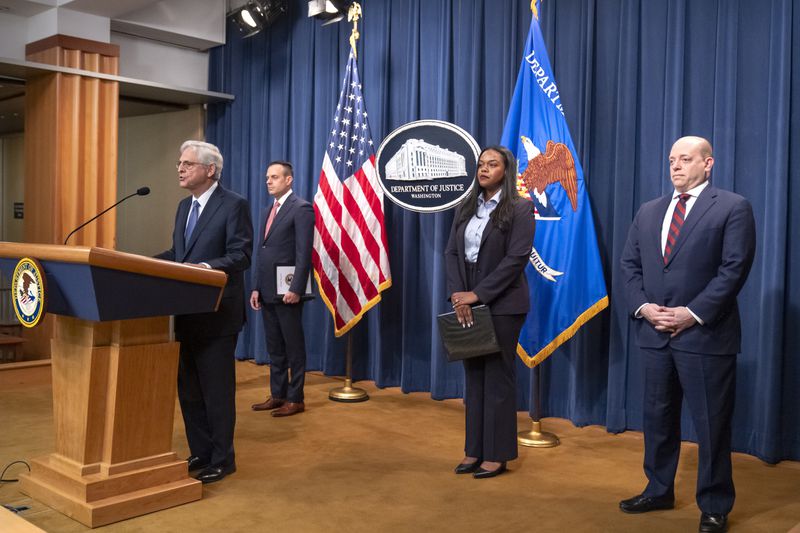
(353, 14)
(534, 9)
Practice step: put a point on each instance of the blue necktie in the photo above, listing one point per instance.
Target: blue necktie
(192, 221)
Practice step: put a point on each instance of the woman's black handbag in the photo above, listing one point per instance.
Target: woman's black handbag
(464, 343)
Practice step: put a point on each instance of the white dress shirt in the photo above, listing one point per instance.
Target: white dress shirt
(693, 194)
(203, 200)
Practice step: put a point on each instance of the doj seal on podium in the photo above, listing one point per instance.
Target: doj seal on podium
(28, 288)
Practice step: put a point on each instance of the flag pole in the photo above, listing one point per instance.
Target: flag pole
(536, 438)
(348, 393)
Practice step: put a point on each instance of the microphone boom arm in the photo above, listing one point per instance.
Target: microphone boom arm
(142, 191)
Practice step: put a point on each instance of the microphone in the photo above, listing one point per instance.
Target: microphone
(141, 191)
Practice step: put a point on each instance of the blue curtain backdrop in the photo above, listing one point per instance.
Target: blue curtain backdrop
(633, 76)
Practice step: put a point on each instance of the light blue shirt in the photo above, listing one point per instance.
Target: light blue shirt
(476, 225)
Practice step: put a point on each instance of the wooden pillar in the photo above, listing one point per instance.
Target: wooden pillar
(71, 129)
(71, 138)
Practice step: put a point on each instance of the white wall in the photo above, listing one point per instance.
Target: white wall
(161, 63)
(13, 35)
(194, 23)
(67, 22)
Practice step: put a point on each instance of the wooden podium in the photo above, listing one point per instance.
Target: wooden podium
(114, 379)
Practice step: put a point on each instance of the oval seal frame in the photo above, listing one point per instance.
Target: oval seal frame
(28, 291)
(427, 165)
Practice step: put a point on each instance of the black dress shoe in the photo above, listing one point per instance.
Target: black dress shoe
(468, 468)
(482, 473)
(196, 463)
(215, 473)
(713, 523)
(644, 504)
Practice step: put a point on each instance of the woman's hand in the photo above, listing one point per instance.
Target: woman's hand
(461, 305)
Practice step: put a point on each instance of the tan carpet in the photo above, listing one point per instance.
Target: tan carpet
(386, 465)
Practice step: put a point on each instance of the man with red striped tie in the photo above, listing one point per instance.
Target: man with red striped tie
(285, 239)
(687, 257)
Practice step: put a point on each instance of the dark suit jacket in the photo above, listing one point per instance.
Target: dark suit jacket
(500, 277)
(707, 268)
(222, 238)
(289, 242)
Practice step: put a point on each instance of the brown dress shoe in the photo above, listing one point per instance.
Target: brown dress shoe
(289, 409)
(269, 405)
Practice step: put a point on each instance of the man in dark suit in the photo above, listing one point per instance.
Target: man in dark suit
(212, 229)
(285, 239)
(686, 259)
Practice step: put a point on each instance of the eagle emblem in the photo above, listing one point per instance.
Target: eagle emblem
(555, 165)
(24, 293)
(28, 289)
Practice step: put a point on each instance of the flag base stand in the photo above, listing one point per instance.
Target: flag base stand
(536, 438)
(348, 393)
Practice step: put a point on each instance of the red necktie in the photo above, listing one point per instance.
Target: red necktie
(675, 225)
(271, 218)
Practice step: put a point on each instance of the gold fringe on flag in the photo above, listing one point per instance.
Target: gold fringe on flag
(563, 337)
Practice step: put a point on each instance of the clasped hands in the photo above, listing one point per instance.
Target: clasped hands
(461, 305)
(670, 320)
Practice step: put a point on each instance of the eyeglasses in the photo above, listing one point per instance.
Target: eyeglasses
(189, 165)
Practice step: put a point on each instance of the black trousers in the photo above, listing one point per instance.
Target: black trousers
(708, 382)
(490, 395)
(286, 345)
(207, 394)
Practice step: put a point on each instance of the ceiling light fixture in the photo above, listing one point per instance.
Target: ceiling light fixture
(329, 11)
(256, 15)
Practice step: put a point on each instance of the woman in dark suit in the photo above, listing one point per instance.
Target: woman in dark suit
(489, 246)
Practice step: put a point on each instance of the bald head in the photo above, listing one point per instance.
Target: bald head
(690, 162)
(702, 144)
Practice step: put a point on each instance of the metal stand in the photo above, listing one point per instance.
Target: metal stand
(348, 393)
(536, 438)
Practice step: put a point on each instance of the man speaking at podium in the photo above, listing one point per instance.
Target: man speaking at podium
(212, 229)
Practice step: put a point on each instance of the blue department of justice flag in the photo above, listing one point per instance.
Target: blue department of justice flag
(565, 275)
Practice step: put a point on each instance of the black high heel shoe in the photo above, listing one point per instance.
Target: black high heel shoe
(481, 473)
(468, 468)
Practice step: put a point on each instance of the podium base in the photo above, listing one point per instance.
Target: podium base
(97, 499)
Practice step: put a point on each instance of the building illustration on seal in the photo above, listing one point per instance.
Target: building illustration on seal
(418, 160)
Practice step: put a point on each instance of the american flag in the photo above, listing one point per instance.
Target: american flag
(350, 258)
